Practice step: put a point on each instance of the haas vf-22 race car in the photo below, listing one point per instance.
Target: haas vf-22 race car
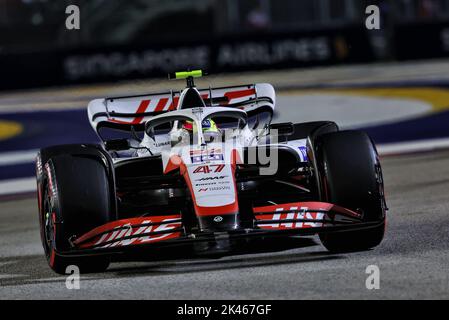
(204, 169)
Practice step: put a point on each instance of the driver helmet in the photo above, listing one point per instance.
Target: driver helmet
(210, 129)
(208, 125)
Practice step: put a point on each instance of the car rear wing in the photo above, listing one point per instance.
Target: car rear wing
(131, 112)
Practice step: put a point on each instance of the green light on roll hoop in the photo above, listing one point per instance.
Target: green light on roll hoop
(186, 74)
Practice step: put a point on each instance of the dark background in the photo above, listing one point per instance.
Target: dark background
(131, 39)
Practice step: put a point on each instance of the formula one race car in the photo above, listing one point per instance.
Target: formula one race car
(204, 169)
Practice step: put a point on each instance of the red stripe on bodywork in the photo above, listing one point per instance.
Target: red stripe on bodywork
(174, 104)
(239, 94)
(114, 231)
(141, 109)
(120, 121)
(161, 105)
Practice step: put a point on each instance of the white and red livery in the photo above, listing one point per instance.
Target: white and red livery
(153, 183)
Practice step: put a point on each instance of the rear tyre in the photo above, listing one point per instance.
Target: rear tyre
(74, 198)
(350, 176)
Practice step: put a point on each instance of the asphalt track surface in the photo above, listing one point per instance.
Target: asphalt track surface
(413, 259)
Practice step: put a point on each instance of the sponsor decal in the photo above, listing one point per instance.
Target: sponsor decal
(205, 123)
(303, 150)
(201, 151)
(212, 178)
(214, 189)
(212, 168)
(132, 232)
(205, 158)
(161, 144)
(295, 214)
(198, 156)
(205, 184)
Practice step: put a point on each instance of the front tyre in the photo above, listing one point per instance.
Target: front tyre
(74, 197)
(350, 176)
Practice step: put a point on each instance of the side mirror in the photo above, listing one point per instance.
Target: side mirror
(117, 144)
(283, 129)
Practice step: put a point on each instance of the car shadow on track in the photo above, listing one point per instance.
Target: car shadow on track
(268, 252)
(34, 269)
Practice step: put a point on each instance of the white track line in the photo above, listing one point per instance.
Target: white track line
(17, 157)
(413, 146)
(16, 186)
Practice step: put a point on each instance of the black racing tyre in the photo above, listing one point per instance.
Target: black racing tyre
(350, 176)
(74, 197)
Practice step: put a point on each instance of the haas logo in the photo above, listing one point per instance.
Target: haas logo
(129, 234)
(314, 219)
(212, 178)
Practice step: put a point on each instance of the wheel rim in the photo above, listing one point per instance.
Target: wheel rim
(47, 221)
